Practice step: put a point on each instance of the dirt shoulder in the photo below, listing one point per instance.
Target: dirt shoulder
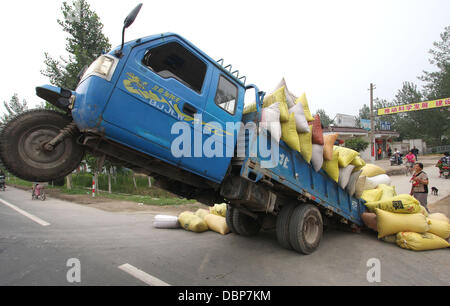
(442, 206)
(111, 205)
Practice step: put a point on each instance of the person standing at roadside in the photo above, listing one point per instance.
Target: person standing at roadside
(415, 151)
(420, 183)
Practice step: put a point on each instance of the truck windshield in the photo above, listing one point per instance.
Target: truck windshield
(172, 60)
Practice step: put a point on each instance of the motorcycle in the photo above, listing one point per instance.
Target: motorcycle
(396, 159)
(2, 183)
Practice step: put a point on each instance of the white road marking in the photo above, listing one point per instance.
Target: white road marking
(22, 212)
(142, 276)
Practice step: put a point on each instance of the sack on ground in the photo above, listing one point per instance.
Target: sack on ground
(317, 157)
(202, 213)
(360, 183)
(317, 137)
(190, 222)
(346, 156)
(438, 216)
(423, 211)
(420, 241)
(401, 204)
(329, 141)
(300, 119)
(270, 121)
(289, 134)
(351, 187)
(388, 192)
(217, 224)
(372, 195)
(305, 141)
(439, 228)
(389, 223)
(219, 210)
(370, 220)
(344, 176)
(331, 167)
(166, 222)
(390, 239)
(371, 170)
(374, 182)
(304, 102)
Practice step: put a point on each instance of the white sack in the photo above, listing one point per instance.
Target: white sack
(351, 187)
(344, 176)
(373, 182)
(271, 121)
(166, 222)
(317, 157)
(300, 118)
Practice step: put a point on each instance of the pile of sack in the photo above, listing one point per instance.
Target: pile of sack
(201, 221)
(401, 219)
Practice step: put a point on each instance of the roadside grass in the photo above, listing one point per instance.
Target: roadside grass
(165, 200)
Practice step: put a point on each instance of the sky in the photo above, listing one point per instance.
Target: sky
(332, 50)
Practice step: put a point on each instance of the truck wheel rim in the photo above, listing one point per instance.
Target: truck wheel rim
(311, 229)
(31, 148)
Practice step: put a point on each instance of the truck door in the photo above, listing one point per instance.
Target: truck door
(222, 108)
(163, 83)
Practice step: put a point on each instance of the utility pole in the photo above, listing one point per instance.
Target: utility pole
(372, 124)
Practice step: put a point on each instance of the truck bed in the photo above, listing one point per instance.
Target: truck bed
(297, 177)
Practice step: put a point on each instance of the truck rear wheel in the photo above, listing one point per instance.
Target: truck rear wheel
(283, 221)
(306, 229)
(22, 147)
(230, 219)
(245, 225)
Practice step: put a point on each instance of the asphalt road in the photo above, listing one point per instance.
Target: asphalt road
(33, 254)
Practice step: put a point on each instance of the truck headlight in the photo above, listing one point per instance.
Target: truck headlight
(103, 67)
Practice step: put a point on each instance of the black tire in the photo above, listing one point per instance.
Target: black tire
(21, 147)
(306, 229)
(230, 219)
(282, 229)
(245, 225)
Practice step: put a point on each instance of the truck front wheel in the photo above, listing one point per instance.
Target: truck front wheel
(305, 229)
(23, 152)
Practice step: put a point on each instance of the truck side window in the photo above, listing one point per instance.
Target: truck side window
(172, 60)
(226, 96)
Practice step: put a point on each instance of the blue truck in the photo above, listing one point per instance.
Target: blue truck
(125, 110)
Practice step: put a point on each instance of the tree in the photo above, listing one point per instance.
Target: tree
(324, 118)
(13, 108)
(357, 144)
(364, 113)
(85, 43)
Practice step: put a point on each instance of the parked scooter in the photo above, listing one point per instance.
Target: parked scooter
(2, 183)
(396, 159)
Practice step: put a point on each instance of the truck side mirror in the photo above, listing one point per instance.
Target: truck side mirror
(128, 22)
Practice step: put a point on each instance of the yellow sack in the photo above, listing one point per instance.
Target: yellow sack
(289, 133)
(304, 101)
(371, 170)
(390, 223)
(331, 167)
(219, 210)
(305, 141)
(372, 195)
(202, 213)
(439, 216)
(423, 211)
(402, 204)
(217, 224)
(420, 242)
(439, 228)
(388, 192)
(390, 239)
(358, 162)
(190, 222)
(346, 156)
(279, 96)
